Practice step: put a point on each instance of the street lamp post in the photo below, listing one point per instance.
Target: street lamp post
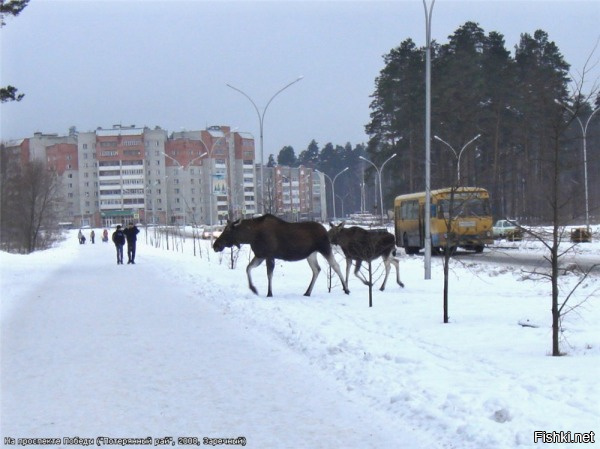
(585, 176)
(459, 154)
(332, 181)
(261, 119)
(379, 170)
(427, 259)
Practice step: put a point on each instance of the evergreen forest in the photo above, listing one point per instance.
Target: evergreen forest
(518, 117)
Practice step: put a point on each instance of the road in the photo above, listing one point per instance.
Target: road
(534, 260)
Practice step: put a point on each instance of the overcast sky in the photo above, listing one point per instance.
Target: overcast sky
(165, 63)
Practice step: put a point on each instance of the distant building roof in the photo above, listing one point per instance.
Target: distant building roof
(118, 130)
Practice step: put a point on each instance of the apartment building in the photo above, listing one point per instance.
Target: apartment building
(294, 193)
(128, 173)
(216, 168)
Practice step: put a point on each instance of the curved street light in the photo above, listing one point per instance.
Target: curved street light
(459, 154)
(332, 181)
(379, 170)
(585, 176)
(261, 119)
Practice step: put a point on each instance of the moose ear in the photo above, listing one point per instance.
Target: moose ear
(331, 224)
(235, 223)
(342, 224)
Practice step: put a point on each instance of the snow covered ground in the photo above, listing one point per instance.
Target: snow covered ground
(177, 346)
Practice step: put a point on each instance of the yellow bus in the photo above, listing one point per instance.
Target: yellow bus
(471, 224)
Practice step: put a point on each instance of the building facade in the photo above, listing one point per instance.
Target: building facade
(128, 173)
(294, 193)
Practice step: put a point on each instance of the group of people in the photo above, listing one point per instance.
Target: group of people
(119, 238)
(129, 235)
(82, 238)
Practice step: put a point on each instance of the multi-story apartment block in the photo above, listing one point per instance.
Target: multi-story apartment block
(294, 193)
(128, 173)
(221, 181)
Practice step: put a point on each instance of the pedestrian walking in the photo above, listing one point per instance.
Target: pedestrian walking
(105, 235)
(131, 234)
(118, 239)
(92, 236)
(81, 237)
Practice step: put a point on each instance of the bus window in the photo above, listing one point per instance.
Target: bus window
(477, 207)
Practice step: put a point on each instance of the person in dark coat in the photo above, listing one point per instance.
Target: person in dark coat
(131, 234)
(118, 239)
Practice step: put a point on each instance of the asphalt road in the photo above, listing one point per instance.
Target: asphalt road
(510, 256)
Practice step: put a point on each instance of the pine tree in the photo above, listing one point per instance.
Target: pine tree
(10, 8)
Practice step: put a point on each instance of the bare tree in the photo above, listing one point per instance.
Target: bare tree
(31, 203)
(555, 162)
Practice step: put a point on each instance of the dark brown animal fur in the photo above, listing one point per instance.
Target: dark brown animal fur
(361, 245)
(272, 238)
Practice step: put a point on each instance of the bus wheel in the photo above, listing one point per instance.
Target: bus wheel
(478, 248)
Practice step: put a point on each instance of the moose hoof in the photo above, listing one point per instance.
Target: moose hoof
(401, 284)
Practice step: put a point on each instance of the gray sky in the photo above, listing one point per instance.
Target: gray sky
(98, 63)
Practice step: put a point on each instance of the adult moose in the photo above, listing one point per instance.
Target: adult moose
(362, 245)
(272, 238)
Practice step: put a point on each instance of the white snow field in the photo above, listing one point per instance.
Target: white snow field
(177, 346)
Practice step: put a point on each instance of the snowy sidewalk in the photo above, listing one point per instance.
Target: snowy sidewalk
(100, 349)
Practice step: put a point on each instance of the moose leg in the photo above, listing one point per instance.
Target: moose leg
(348, 265)
(397, 265)
(386, 264)
(358, 274)
(270, 268)
(253, 264)
(333, 264)
(314, 266)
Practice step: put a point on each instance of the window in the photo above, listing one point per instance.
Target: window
(409, 210)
